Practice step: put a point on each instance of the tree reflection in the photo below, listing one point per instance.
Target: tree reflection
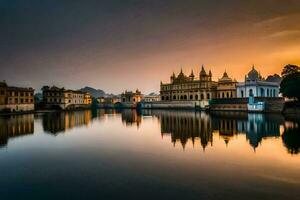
(291, 138)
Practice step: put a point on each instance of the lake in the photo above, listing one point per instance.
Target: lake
(150, 154)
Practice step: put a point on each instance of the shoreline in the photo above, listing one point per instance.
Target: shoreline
(285, 112)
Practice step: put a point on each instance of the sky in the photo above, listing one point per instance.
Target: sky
(116, 45)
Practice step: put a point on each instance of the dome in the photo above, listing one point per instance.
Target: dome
(253, 74)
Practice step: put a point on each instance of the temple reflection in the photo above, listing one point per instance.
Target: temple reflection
(15, 126)
(199, 128)
(184, 126)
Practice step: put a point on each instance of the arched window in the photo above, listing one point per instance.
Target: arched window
(251, 93)
(185, 97)
(162, 98)
(202, 96)
(167, 98)
(181, 97)
(191, 97)
(196, 96)
(274, 94)
(231, 94)
(208, 96)
(242, 93)
(262, 92)
(268, 92)
(174, 97)
(223, 95)
(227, 94)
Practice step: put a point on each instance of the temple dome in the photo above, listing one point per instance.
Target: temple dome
(253, 74)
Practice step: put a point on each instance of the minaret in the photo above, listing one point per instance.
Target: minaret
(172, 78)
(202, 73)
(210, 75)
(192, 76)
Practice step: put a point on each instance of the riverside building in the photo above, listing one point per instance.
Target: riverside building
(226, 87)
(255, 85)
(189, 88)
(54, 97)
(16, 99)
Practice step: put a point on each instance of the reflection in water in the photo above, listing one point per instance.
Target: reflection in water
(291, 137)
(255, 126)
(14, 126)
(131, 117)
(182, 126)
(58, 122)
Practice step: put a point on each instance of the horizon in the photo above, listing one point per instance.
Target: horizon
(114, 46)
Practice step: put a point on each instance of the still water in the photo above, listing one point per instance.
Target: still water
(157, 154)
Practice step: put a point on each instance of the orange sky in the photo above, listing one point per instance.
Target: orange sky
(117, 46)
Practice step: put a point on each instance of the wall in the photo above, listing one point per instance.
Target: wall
(17, 107)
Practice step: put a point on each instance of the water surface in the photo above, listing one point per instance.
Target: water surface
(154, 154)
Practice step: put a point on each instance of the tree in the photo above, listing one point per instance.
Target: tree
(289, 86)
(289, 70)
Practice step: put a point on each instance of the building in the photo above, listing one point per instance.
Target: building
(129, 97)
(151, 98)
(226, 87)
(54, 97)
(16, 99)
(189, 88)
(255, 85)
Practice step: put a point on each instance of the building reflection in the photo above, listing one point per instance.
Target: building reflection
(131, 117)
(58, 122)
(15, 126)
(260, 126)
(254, 125)
(184, 126)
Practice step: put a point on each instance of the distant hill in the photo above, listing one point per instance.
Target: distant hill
(94, 92)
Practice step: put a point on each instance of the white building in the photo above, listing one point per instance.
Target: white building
(255, 85)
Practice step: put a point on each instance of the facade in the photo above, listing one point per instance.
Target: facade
(16, 99)
(64, 99)
(129, 97)
(189, 88)
(255, 85)
(150, 98)
(226, 87)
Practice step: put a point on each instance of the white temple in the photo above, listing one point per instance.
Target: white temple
(256, 86)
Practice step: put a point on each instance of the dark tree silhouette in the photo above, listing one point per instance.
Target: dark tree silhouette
(289, 86)
(291, 140)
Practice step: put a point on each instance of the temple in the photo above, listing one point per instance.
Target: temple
(189, 88)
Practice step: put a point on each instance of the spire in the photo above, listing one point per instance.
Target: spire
(225, 74)
(210, 74)
(202, 72)
(192, 74)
